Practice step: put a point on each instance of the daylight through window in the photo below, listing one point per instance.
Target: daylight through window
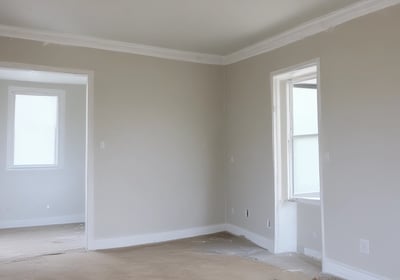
(34, 124)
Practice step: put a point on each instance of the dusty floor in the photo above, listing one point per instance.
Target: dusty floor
(217, 256)
(21, 243)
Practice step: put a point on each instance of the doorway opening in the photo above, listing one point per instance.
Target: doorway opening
(296, 130)
(45, 178)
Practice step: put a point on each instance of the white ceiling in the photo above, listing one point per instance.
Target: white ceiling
(205, 26)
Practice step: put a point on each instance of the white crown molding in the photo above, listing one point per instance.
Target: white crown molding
(109, 45)
(310, 28)
(305, 30)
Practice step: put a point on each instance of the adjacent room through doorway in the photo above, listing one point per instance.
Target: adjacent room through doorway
(43, 132)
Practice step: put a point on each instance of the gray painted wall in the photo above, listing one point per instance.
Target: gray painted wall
(309, 228)
(161, 123)
(360, 130)
(25, 194)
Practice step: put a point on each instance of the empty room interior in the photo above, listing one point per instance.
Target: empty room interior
(199, 139)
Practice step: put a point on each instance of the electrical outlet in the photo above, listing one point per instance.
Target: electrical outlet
(364, 246)
(247, 213)
(269, 225)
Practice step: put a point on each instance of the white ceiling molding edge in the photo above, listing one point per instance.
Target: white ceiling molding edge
(305, 30)
(109, 45)
(310, 28)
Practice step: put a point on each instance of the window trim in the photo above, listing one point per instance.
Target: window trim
(33, 91)
(281, 125)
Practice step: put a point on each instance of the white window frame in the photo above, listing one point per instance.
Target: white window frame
(32, 91)
(282, 131)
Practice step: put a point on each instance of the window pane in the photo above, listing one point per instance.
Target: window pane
(305, 165)
(35, 130)
(305, 111)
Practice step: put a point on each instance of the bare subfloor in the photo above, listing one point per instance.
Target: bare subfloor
(218, 256)
(22, 243)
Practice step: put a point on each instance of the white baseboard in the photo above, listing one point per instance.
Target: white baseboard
(42, 221)
(312, 253)
(348, 272)
(253, 237)
(142, 239)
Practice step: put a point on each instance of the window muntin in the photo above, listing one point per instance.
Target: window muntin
(34, 127)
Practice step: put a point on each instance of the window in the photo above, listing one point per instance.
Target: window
(303, 137)
(296, 135)
(34, 127)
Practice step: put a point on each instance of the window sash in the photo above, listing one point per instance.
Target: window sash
(13, 93)
(313, 162)
(291, 138)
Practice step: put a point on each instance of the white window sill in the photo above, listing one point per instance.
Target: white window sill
(307, 200)
(34, 168)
